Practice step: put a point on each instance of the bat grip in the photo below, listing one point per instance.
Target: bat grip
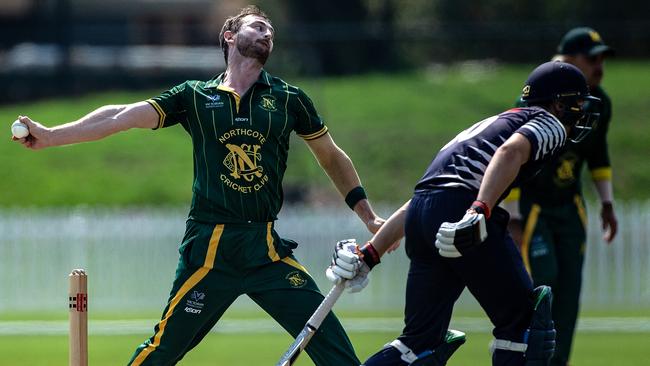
(326, 305)
(312, 325)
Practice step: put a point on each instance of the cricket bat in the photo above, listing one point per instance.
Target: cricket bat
(312, 325)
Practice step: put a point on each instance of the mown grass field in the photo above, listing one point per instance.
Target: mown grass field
(623, 346)
(391, 126)
(591, 349)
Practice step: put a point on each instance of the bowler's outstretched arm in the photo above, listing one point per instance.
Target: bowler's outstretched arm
(96, 125)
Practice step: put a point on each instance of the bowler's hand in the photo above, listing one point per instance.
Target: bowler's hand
(38, 137)
(608, 221)
(374, 224)
(455, 238)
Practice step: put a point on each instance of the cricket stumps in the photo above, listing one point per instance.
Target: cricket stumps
(78, 309)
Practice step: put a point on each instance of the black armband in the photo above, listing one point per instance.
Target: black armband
(369, 255)
(355, 195)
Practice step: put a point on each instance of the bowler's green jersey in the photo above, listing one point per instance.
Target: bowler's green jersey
(240, 143)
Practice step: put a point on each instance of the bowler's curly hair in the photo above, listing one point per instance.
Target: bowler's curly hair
(234, 23)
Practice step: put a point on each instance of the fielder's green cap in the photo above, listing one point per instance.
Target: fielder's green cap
(583, 41)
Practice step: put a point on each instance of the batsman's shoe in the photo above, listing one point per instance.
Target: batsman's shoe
(397, 353)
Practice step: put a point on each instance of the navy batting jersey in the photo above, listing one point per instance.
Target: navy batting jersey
(463, 161)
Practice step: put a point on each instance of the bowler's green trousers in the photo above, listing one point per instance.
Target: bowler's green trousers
(553, 249)
(220, 262)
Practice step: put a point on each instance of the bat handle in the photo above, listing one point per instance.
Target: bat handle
(312, 325)
(326, 305)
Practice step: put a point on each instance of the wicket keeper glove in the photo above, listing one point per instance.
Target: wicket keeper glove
(352, 263)
(455, 239)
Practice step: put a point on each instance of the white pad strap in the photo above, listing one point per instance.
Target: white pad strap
(507, 346)
(407, 354)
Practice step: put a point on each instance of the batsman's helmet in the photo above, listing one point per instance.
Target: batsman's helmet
(556, 81)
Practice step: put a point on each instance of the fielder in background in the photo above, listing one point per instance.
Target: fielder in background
(548, 217)
(240, 123)
(456, 235)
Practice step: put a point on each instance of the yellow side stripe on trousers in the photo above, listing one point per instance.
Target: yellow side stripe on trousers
(293, 263)
(269, 241)
(582, 212)
(533, 216)
(185, 288)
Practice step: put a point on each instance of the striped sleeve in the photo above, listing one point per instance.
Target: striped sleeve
(161, 114)
(546, 135)
(309, 124)
(599, 174)
(170, 106)
(315, 135)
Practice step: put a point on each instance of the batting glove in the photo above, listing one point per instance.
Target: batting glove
(455, 239)
(345, 261)
(360, 281)
(352, 263)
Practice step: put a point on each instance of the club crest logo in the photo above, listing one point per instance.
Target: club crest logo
(242, 161)
(564, 174)
(526, 91)
(295, 279)
(268, 103)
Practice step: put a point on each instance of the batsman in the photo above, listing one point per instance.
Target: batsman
(240, 123)
(456, 235)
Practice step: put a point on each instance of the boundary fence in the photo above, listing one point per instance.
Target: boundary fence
(131, 254)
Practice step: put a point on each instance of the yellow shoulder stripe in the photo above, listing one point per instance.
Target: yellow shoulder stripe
(599, 174)
(161, 114)
(314, 135)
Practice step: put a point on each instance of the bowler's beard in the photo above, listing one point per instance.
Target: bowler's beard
(249, 48)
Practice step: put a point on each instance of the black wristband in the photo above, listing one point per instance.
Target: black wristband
(355, 195)
(369, 255)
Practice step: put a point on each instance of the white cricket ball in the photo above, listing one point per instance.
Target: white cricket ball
(19, 129)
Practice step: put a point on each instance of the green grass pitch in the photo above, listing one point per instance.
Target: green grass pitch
(591, 349)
